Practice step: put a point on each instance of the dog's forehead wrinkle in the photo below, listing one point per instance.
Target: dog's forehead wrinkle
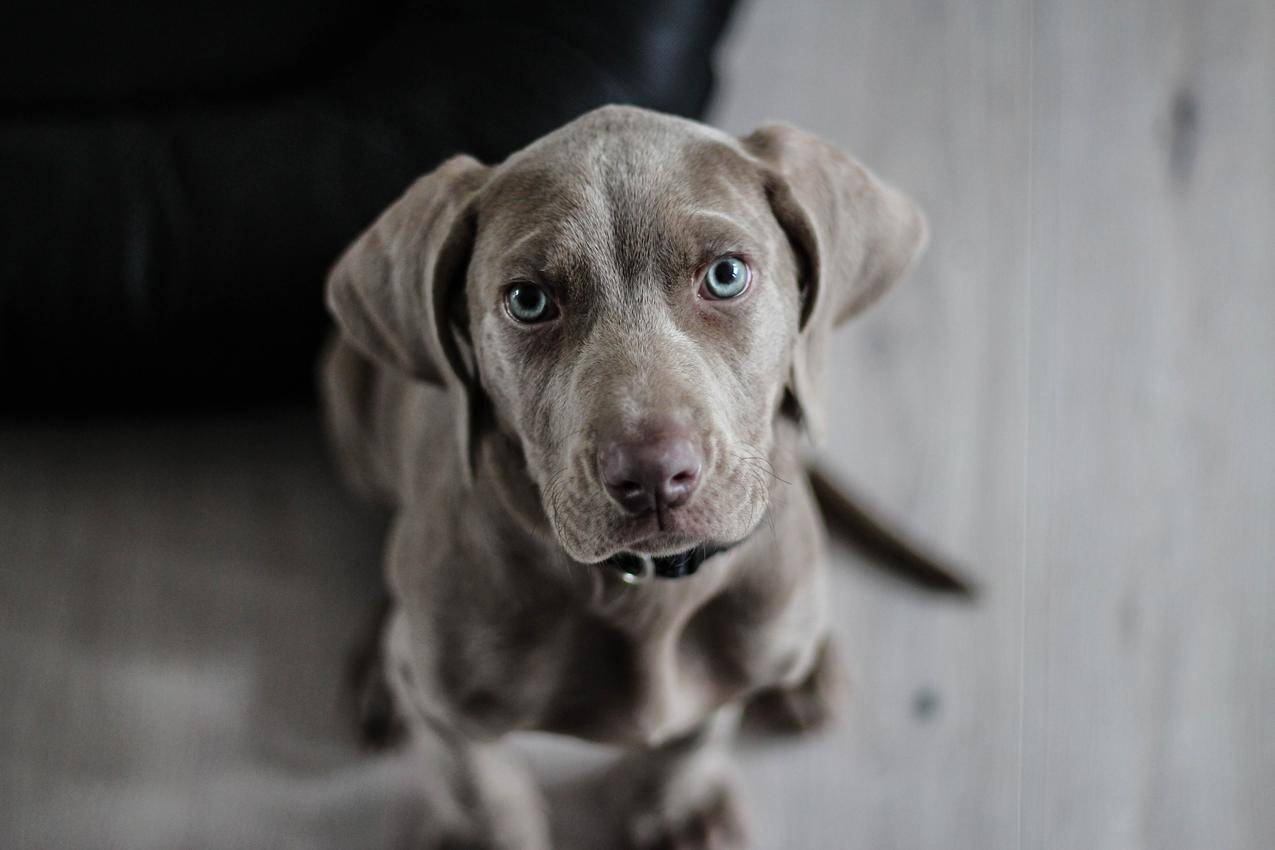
(614, 207)
(527, 249)
(714, 220)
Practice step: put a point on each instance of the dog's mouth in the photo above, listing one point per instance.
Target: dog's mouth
(592, 532)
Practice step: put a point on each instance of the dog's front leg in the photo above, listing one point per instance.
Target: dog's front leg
(681, 795)
(474, 795)
(808, 706)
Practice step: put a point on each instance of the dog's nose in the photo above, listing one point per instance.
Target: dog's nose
(649, 474)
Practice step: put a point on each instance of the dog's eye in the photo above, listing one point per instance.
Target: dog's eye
(727, 277)
(529, 303)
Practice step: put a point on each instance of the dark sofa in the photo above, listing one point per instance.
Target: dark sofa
(175, 179)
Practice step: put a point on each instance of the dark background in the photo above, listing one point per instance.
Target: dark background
(177, 177)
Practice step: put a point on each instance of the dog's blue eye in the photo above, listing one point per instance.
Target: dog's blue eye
(727, 277)
(529, 303)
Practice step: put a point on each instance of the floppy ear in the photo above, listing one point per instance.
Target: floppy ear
(853, 234)
(395, 292)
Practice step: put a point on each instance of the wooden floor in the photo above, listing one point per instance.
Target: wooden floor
(1074, 395)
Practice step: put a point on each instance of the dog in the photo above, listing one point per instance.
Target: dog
(583, 378)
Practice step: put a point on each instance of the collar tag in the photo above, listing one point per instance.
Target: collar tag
(646, 570)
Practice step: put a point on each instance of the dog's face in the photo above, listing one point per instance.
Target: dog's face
(637, 300)
(633, 306)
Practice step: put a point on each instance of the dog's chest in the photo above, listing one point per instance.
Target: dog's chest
(629, 672)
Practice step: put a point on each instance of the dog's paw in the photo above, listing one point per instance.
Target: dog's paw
(714, 822)
(806, 707)
(787, 711)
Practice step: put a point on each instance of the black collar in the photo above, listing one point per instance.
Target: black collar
(638, 568)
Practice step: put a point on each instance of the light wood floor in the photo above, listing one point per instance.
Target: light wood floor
(1074, 395)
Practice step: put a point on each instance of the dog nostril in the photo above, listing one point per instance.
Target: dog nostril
(643, 475)
(678, 488)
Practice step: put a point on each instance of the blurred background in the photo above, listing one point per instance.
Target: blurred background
(1073, 396)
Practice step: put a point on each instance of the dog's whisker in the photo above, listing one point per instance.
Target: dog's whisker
(771, 473)
(760, 463)
(765, 462)
(758, 502)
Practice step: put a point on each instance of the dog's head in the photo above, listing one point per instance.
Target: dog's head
(635, 301)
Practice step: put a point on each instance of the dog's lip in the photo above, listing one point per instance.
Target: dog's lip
(643, 540)
(661, 545)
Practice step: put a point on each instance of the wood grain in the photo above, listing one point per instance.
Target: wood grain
(1074, 392)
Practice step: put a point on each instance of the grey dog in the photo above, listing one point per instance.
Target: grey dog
(583, 378)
